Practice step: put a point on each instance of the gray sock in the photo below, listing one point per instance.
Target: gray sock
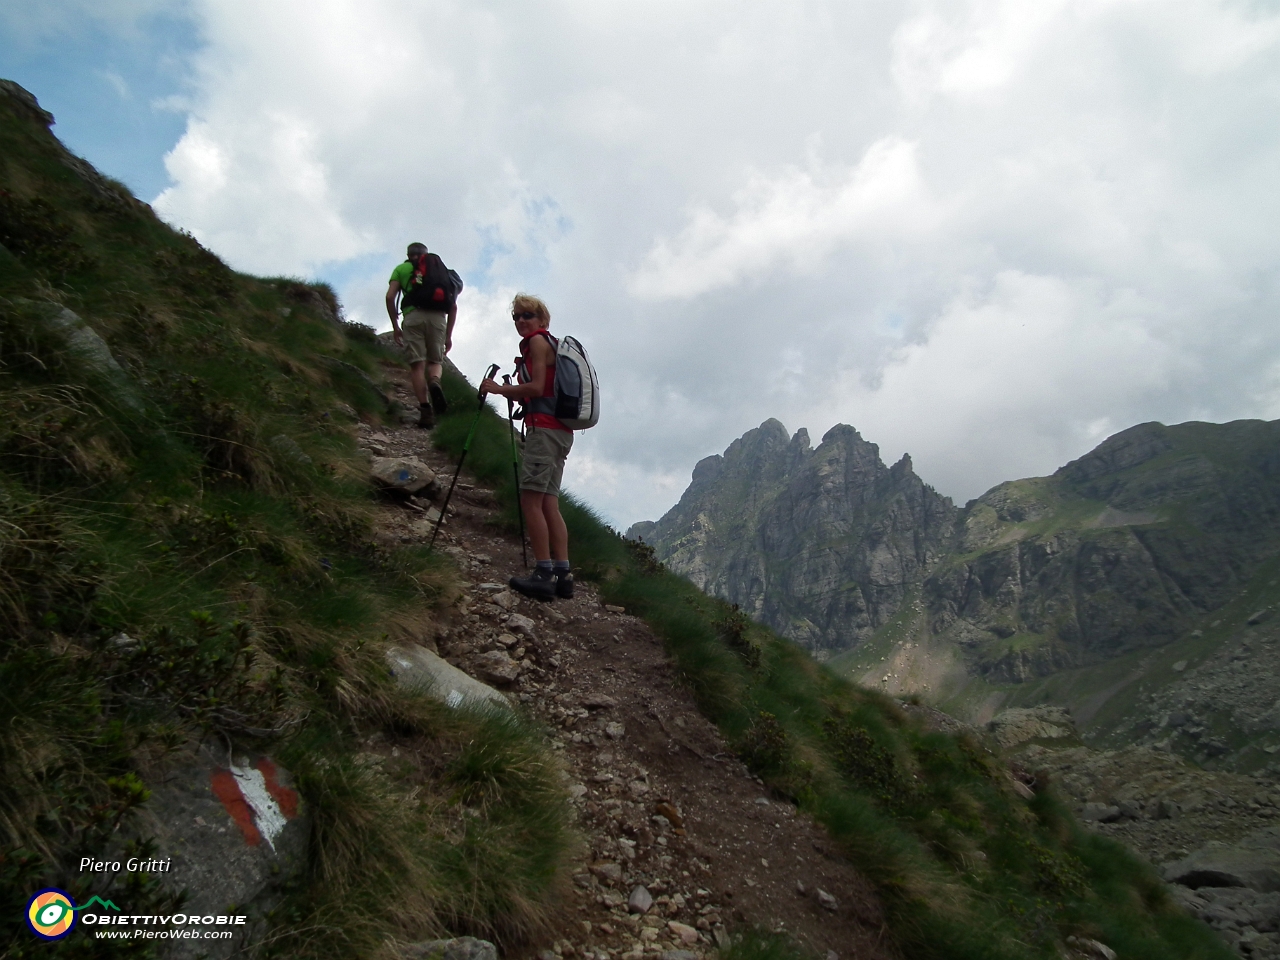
(561, 567)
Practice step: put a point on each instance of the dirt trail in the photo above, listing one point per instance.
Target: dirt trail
(661, 801)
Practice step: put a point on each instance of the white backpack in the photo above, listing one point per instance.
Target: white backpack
(577, 400)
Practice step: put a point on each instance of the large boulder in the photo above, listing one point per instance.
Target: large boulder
(1019, 725)
(234, 833)
(417, 668)
(1253, 862)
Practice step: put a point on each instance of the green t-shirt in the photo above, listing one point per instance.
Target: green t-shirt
(401, 275)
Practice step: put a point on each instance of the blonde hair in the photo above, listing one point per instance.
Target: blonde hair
(524, 301)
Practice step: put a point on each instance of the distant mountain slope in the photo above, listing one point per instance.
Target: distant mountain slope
(1118, 550)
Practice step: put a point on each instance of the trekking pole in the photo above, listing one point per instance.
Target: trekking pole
(444, 507)
(515, 470)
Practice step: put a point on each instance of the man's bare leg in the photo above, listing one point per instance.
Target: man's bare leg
(418, 380)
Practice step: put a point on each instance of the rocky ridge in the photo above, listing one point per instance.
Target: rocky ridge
(824, 545)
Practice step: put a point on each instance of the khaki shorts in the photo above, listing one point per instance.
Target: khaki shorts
(542, 467)
(424, 332)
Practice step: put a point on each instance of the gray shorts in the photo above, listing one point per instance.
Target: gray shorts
(424, 332)
(542, 467)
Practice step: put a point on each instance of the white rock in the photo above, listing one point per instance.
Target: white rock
(1092, 948)
(417, 668)
(402, 473)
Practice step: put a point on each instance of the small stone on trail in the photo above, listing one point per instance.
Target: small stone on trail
(614, 609)
(615, 731)
(827, 901)
(521, 624)
(679, 955)
(1180, 666)
(640, 901)
(606, 870)
(686, 933)
(800, 889)
(497, 667)
(671, 814)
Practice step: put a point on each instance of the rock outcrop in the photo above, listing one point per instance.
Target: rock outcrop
(821, 544)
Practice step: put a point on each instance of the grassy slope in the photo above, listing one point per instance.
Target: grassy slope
(207, 499)
(967, 869)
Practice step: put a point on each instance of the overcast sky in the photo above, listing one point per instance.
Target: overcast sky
(986, 232)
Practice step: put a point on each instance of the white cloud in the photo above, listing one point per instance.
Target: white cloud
(984, 231)
(797, 219)
(967, 49)
(276, 172)
(1033, 360)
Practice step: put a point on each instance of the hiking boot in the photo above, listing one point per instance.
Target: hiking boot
(564, 586)
(426, 416)
(438, 403)
(540, 586)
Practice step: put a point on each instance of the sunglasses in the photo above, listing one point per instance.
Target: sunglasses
(523, 315)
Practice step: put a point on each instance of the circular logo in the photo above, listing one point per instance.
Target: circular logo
(51, 914)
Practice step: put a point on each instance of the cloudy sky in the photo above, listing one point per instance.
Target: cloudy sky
(986, 232)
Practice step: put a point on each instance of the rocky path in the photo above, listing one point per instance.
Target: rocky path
(680, 844)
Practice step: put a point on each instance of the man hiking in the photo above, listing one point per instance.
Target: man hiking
(428, 295)
(546, 444)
